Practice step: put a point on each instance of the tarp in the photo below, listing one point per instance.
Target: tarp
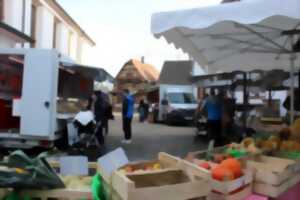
(246, 35)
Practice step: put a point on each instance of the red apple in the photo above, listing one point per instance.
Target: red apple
(205, 165)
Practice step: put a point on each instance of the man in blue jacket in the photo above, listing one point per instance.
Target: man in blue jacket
(127, 113)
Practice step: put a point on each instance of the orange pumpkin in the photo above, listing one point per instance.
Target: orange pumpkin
(234, 165)
(222, 173)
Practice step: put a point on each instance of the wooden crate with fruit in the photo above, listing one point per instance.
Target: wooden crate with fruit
(179, 183)
(227, 178)
(163, 161)
(273, 176)
(243, 152)
(284, 144)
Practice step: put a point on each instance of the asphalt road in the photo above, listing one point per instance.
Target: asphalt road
(149, 139)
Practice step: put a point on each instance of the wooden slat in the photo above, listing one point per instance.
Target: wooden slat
(70, 194)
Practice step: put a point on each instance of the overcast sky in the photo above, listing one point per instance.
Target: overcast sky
(121, 29)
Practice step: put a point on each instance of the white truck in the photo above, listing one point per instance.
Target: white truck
(177, 103)
(39, 93)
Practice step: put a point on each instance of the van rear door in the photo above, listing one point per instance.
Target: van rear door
(39, 92)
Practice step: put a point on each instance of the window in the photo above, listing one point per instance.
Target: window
(181, 98)
(33, 23)
(1, 10)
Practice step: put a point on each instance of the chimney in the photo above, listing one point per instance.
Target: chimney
(143, 59)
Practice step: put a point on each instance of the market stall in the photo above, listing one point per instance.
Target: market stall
(246, 36)
(263, 35)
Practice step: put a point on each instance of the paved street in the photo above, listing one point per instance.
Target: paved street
(149, 139)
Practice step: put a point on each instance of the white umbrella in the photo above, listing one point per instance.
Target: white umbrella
(247, 35)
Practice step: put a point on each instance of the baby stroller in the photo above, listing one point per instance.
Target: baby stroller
(201, 125)
(86, 129)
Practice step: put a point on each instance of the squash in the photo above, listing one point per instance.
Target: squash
(222, 173)
(234, 165)
(247, 142)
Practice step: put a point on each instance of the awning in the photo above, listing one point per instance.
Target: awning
(247, 35)
(97, 74)
(14, 34)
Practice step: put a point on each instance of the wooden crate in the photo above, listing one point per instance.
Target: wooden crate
(271, 170)
(273, 190)
(69, 194)
(295, 167)
(225, 188)
(164, 159)
(66, 193)
(201, 155)
(176, 180)
(175, 184)
(241, 195)
(273, 176)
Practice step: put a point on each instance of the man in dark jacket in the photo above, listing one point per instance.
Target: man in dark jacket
(127, 114)
(97, 106)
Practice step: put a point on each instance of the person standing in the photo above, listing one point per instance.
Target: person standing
(97, 107)
(127, 115)
(213, 107)
(147, 107)
(141, 110)
(107, 113)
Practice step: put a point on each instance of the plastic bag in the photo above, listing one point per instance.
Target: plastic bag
(98, 188)
(21, 172)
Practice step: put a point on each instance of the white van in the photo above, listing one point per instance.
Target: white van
(177, 103)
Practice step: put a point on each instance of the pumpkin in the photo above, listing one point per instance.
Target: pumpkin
(222, 173)
(234, 165)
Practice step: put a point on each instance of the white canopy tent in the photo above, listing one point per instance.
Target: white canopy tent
(246, 35)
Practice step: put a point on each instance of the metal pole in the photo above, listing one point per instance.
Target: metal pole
(245, 98)
(292, 77)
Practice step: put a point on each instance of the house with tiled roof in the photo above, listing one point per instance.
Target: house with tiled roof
(135, 75)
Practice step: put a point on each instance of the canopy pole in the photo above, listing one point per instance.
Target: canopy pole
(292, 87)
(245, 97)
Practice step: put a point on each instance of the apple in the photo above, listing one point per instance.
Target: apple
(205, 165)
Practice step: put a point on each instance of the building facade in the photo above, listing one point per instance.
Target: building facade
(136, 76)
(42, 24)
